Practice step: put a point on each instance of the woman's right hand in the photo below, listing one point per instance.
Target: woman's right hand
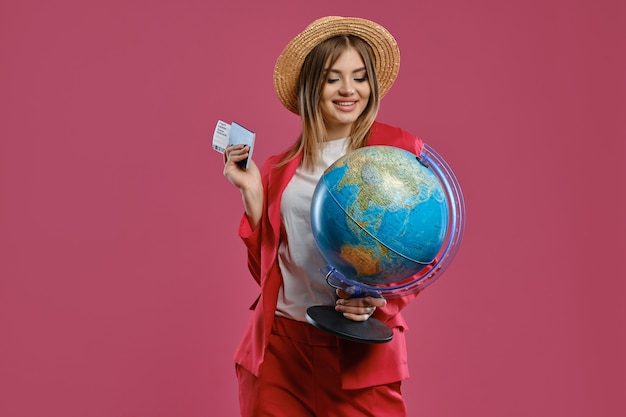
(248, 180)
(238, 176)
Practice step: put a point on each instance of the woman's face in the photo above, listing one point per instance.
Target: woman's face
(345, 94)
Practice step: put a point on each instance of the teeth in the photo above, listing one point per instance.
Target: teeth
(346, 103)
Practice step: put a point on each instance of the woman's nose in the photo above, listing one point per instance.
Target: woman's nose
(346, 89)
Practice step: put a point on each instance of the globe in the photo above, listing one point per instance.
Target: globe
(380, 215)
(388, 223)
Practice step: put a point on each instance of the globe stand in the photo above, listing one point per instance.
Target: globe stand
(332, 321)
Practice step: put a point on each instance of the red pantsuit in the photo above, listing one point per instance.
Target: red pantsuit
(267, 359)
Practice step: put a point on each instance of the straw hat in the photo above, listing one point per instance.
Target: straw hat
(289, 63)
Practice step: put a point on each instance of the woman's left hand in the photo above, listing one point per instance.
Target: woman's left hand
(357, 309)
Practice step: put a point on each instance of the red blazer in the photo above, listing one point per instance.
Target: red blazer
(362, 365)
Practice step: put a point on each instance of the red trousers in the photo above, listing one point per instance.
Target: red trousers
(301, 377)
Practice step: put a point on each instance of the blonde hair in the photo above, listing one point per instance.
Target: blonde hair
(310, 85)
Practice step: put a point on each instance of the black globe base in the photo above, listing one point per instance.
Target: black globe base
(332, 321)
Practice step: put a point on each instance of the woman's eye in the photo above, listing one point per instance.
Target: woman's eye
(332, 80)
(360, 80)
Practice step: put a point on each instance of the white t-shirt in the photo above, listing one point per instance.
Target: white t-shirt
(299, 259)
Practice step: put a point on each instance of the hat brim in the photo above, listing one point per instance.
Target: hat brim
(289, 63)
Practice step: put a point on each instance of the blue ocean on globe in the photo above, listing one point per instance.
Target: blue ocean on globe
(379, 216)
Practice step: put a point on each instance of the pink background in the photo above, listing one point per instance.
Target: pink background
(124, 289)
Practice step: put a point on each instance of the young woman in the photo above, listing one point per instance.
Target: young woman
(333, 75)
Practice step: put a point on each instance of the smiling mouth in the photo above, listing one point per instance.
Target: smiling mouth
(345, 103)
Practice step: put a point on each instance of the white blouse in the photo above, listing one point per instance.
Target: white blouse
(299, 259)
